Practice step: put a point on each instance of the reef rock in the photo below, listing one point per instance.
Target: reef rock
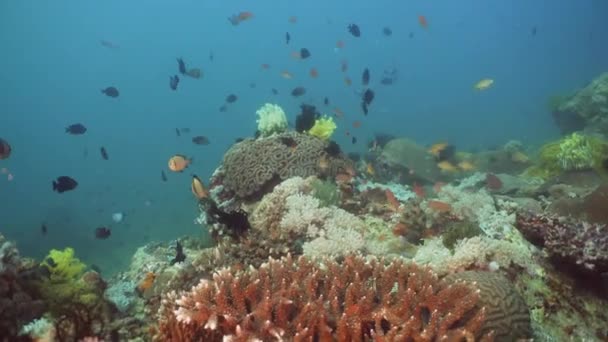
(591, 102)
(404, 154)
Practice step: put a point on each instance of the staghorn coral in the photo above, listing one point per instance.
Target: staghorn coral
(579, 245)
(251, 165)
(506, 312)
(357, 300)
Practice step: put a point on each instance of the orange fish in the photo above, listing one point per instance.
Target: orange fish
(340, 44)
(439, 206)
(178, 163)
(357, 124)
(438, 186)
(422, 21)
(348, 81)
(245, 16)
(344, 65)
(391, 199)
(293, 19)
(436, 149)
(265, 66)
(147, 282)
(418, 190)
(400, 229)
(314, 73)
(198, 188)
(286, 75)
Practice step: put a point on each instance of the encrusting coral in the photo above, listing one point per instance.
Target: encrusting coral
(300, 300)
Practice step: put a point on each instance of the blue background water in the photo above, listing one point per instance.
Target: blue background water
(53, 67)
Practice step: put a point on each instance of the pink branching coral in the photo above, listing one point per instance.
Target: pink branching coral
(299, 300)
(578, 244)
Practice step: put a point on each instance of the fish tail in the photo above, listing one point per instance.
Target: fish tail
(55, 185)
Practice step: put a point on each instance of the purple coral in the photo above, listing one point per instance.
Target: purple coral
(578, 244)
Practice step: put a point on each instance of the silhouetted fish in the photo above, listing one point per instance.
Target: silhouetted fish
(110, 91)
(326, 101)
(163, 176)
(5, 149)
(200, 140)
(387, 31)
(231, 98)
(304, 53)
(274, 91)
(354, 30)
(298, 91)
(43, 229)
(102, 233)
(287, 37)
(76, 129)
(104, 153)
(365, 77)
(173, 82)
(181, 66)
(177, 132)
(368, 96)
(64, 183)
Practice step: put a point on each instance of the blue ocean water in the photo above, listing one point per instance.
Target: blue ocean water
(53, 67)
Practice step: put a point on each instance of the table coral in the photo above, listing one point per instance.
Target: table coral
(357, 300)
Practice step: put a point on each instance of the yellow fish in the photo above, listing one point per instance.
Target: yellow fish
(437, 148)
(466, 165)
(198, 188)
(370, 169)
(519, 157)
(484, 84)
(447, 166)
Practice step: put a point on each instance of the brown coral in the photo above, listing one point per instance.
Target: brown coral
(506, 312)
(299, 300)
(250, 165)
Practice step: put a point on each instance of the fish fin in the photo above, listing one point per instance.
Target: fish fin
(55, 185)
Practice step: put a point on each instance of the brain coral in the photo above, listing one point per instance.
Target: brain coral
(252, 164)
(506, 311)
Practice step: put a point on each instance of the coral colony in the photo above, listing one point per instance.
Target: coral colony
(403, 243)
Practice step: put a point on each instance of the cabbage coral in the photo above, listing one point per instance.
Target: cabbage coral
(323, 128)
(271, 120)
(575, 153)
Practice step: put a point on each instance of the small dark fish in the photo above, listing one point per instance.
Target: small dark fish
(163, 176)
(411, 35)
(274, 91)
(287, 37)
(364, 107)
(64, 183)
(368, 96)
(354, 30)
(179, 254)
(76, 129)
(387, 31)
(298, 91)
(231, 98)
(181, 66)
(386, 81)
(43, 229)
(177, 132)
(110, 91)
(304, 53)
(252, 85)
(5, 149)
(365, 77)
(104, 153)
(533, 31)
(102, 233)
(200, 140)
(173, 82)
(354, 140)
(223, 108)
(109, 44)
(211, 56)
(238, 140)
(326, 101)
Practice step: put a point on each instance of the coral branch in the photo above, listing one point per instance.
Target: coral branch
(301, 300)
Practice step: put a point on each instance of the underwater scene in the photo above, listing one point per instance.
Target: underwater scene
(304, 171)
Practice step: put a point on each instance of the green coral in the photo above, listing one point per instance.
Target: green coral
(573, 152)
(323, 128)
(65, 284)
(458, 231)
(326, 192)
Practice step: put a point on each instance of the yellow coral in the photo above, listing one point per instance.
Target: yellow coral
(63, 265)
(323, 128)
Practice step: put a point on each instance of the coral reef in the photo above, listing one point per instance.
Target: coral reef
(18, 305)
(572, 244)
(591, 102)
(356, 300)
(412, 160)
(575, 153)
(271, 120)
(251, 165)
(507, 314)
